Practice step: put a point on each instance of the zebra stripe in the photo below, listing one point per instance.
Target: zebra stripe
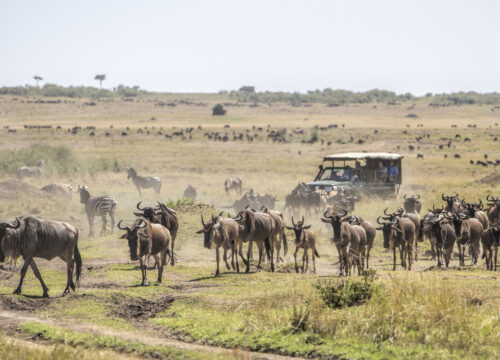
(144, 182)
(59, 189)
(100, 205)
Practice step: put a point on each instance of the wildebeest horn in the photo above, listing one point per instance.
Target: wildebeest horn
(302, 219)
(443, 197)
(222, 213)
(293, 222)
(139, 207)
(329, 216)
(142, 224)
(378, 221)
(385, 211)
(456, 195)
(15, 225)
(480, 204)
(124, 228)
(202, 221)
(344, 213)
(417, 196)
(490, 198)
(246, 207)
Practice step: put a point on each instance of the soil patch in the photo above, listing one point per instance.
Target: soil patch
(140, 309)
(16, 303)
(12, 189)
(490, 179)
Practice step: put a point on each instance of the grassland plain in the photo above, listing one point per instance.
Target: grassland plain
(428, 313)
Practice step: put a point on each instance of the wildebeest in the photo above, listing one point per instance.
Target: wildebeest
(162, 215)
(59, 189)
(452, 203)
(445, 236)
(257, 227)
(31, 237)
(370, 231)
(475, 211)
(399, 233)
(254, 200)
(494, 210)
(144, 240)
(490, 239)
(279, 229)
(304, 239)
(233, 183)
(346, 238)
(190, 193)
(414, 217)
(223, 232)
(412, 204)
(31, 171)
(97, 205)
(144, 182)
(468, 232)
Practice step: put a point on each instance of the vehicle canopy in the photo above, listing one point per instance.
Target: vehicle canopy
(365, 171)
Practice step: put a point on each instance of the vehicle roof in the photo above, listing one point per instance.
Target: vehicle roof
(362, 156)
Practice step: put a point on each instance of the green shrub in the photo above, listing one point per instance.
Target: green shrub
(339, 293)
(218, 110)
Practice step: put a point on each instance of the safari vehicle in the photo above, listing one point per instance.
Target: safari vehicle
(370, 174)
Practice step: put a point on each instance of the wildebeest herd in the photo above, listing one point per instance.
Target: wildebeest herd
(469, 225)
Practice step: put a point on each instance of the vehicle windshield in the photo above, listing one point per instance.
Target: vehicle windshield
(337, 173)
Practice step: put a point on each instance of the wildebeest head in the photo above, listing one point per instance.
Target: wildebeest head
(450, 201)
(412, 203)
(210, 231)
(84, 193)
(130, 172)
(298, 228)
(393, 215)
(387, 231)
(335, 219)
(3, 230)
(148, 212)
(458, 221)
(132, 236)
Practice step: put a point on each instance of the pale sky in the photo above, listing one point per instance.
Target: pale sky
(206, 46)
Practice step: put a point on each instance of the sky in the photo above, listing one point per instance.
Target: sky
(415, 46)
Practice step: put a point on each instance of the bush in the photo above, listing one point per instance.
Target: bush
(218, 110)
(347, 292)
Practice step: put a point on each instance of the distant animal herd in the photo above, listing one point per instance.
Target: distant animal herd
(468, 225)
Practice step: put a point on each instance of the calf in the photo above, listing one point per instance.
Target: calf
(304, 239)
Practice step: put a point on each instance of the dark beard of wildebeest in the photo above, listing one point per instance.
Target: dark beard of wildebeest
(259, 228)
(144, 240)
(412, 204)
(370, 231)
(164, 216)
(145, 182)
(99, 205)
(33, 237)
(350, 241)
(468, 232)
(415, 218)
(399, 233)
(491, 241)
(304, 239)
(494, 210)
(445, 236)
(452, 203)
(222, 232)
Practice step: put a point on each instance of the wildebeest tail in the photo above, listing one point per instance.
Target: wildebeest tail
(421, 231)
(78, 263)
(267, 243)
(316, 252)
(285, 243)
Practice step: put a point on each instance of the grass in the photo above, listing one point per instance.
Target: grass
(429, 313)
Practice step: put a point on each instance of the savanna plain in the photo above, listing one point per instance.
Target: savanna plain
(426, 313)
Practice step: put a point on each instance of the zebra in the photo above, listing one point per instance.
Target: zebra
(144, 182)
(30, 171)
(59, 189)
(233, 183)
(99, 205)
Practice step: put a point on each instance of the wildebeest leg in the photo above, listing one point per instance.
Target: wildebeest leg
(44, 287)
(172, 259)
(368, 249)
(234, 255)
(295, 257)
(161, 263)
(249, 253)
(394, 258)
(103, 217)
(496, 253)
(433, 251)
(277, 245)
(240, 250)
(224, 256)
(144, 265)
(70, 262)
(217, 258)
(314, 259)
(157, 262)
(27, 262)
(416, 246)
(306, 255)
(409, 253)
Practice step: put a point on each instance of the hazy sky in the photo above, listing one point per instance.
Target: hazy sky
(188, 46)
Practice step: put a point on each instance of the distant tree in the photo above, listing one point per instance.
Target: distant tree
(37, 79)
(218, 110)
(250, 89)
(100, 78)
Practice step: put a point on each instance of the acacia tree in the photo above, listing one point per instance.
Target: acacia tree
(37, 79)
(100, 78)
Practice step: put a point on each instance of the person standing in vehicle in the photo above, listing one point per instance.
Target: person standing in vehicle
(393, 172)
